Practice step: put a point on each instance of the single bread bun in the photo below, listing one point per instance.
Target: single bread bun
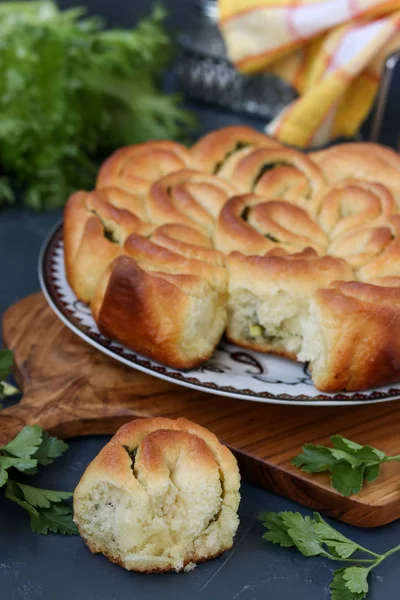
(162, 495)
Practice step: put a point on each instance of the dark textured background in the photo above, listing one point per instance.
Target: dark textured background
(34, 567)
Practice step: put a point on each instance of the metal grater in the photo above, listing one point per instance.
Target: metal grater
(207, 75)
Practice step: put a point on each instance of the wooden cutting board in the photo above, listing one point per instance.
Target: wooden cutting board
(71, 389)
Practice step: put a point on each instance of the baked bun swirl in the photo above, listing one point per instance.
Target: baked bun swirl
(162, 495)
(135, 168)
(96, 225)
(366, 160)
(279, 173)
(189, 197)
(252, 224)
(353, 203)
(218, 151)
(386, 260)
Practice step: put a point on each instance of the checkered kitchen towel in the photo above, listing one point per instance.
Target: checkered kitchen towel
(331, 51)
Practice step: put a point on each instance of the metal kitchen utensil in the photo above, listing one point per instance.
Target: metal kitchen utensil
(207, 75)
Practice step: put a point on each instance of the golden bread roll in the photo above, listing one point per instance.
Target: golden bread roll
(254, 225)
(162, 495)
(188, 197)
(351, 337)
(280, 173)
(367, 161)
(269, 297)
(95, 227)
(219, 150)
(175, 318)
(353, 203)
(135, 168)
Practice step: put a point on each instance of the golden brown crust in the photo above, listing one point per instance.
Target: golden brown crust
(280, 173)
(189, 197)
(386, 260)
(96, 225)
(255, 225)
(360, 323)
(213, 150)
(150, 312)
(135, 168)
(87, 250)
(367, 161)
(154, 257)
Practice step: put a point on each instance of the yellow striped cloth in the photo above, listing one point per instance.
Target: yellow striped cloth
(331, 51)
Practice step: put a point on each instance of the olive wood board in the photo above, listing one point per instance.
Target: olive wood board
(71, 389)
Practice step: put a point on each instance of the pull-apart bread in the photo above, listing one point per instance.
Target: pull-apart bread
(290, 253)
(162, 495)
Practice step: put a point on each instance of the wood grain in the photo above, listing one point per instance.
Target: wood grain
(71, 389)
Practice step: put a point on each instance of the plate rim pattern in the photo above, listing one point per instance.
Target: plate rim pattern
(130, 358)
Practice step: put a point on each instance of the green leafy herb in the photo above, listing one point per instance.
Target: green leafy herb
(6, 362)
(313, 536)
(349, 463)
(71, 91)
(47, 509)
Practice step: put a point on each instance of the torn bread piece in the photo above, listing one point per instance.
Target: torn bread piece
(269, 296)
(350, 337)
(162, 495)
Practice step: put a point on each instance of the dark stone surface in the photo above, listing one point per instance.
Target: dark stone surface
(34, 567)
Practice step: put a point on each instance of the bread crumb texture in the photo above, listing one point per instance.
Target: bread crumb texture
(162, 495)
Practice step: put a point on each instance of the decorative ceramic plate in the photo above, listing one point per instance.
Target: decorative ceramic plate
(231, 371)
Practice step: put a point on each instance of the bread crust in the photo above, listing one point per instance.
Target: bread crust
(360, 324)
(212, 152)
(134, 168)
(364, 160)
(150, 311)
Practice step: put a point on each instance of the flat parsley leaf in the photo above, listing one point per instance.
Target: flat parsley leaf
(336, 542)
(303, 534)
(314, 459)
(47, 509)
(277, 530)
(314, 536)
(339, 585)
(50, 449)
(42, 498)
(349, 463)
(7, 462)
(58, 519)
(25, 443)
(346, 478)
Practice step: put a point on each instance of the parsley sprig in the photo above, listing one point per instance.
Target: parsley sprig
(47, 509)
(349, 463)
(72, 91)
(313, 536)
(6, 362)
